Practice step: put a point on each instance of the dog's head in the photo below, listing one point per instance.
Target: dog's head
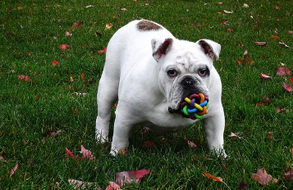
(184, 68)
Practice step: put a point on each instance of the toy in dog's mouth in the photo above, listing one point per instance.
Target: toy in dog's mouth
(195, 106)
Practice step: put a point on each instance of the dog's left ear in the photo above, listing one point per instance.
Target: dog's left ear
(210, 48)
(161, 48)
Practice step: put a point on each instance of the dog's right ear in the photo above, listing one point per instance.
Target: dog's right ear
(160, 49)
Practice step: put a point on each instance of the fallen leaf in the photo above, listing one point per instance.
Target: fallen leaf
(224, 22)
(281, 71)
(228, 12)
(148, 144)
(235, 135)
(123, 9)
(125, 177)
(81, 76)
(112, 186)
(243, 186)
(277, 7)
(89, 6)
(80, 94)
(102, 51)
(13, 170)
(1, 158)
(108, 26)
(245, 5)
(122, 151)
(63, 47)
(291, 79)
(270, 134)
(74, 111)
(87, 154)
(68, 34)
(77, 184)
(264, 76)
(55, 63)
(212, 177)
(52, 133)
(287, 87)
(282, 43)
(190, 143)
(260, 43)
(76, 25)
(289, 175)
(290, 32)
(68, 153)
(24, 78)
(245, 52)
(276, 37)
(263, 178)
(229, 30)
(239, 62)
(219, 179)
(249, 61)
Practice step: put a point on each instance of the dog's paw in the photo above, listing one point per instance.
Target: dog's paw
(101, 139)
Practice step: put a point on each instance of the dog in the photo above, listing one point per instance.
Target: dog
(150, 72)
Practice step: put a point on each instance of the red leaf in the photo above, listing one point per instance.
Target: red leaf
(224, 22)
(131, 176)
(24, 78)
(229, 30)
(245, 52)
(102, 51)
(260, 43)
(76, 24)
(291, 79)
(243, 186)
(68, 153)
(287, 87)
(239, 62)
(282, 71)
(87, 154)
(13, 170)
(277, 7)
(55, 63)
(289, 175)
(279, 110)
(263, 178)
(148, 144)
(276, 37)
(74, 111)
(63, 47)
(190, 143)
(51, 133)
(112, 186)
(264, 76)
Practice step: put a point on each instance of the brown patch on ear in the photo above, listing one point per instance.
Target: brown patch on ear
(163, 49)
(146, 25)
(208, 50)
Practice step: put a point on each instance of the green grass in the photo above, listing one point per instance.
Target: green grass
(30, 109)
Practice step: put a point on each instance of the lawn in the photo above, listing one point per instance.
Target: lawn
(48, 95)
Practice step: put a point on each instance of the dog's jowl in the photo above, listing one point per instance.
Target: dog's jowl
(150, 73)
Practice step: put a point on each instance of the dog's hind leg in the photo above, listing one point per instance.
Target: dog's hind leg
(106, 97)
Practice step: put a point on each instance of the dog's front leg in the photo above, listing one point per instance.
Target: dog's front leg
(122, 127)
(214, 127)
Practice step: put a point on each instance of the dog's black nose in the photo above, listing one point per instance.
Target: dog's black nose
(188, 82)
(171, 110)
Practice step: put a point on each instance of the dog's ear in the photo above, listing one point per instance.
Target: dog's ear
(160, 48)
(210, 48)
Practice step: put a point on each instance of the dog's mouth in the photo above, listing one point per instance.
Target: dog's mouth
(194, 106)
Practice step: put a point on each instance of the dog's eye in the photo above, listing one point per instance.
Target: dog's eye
(203, 72)
(172, 73)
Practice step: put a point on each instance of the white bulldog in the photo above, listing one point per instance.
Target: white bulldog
(150, 72)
